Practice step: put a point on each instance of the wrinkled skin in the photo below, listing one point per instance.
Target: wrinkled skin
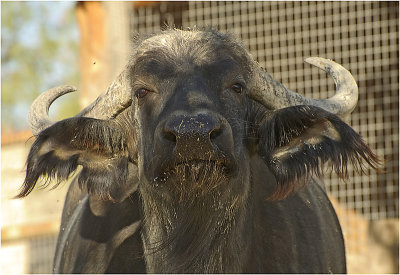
(195, 176)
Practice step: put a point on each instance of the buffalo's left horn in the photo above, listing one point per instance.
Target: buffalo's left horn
(39, 112)
(272, 94)
(108, 105)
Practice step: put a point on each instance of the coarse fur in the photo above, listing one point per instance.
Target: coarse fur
(205, 158)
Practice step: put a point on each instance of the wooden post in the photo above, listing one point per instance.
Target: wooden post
(104, 29)
(118, 25)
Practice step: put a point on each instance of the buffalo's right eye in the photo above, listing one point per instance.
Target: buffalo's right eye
(141, 93)
(238, 88)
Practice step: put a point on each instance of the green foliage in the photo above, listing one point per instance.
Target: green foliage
(39, 51)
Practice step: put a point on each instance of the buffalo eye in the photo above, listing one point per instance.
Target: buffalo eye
(141, 93)
(238, 88)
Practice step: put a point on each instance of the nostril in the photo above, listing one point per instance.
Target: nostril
(215, 133)
(169, 135)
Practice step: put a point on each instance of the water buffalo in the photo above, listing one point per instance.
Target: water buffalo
(196, 160)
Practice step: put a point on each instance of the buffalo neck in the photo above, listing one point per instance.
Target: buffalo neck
(210, 234)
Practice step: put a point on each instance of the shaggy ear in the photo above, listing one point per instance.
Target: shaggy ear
(296, 141)
(100, 146)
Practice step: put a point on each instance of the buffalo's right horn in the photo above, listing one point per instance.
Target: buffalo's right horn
(272, 94)
(108, 105)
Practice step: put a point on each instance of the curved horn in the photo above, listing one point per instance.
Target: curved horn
(274, 95)
(39, 112)
(108, 105)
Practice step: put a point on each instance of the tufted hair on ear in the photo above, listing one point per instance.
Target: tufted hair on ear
(99, 146)
(296, 142)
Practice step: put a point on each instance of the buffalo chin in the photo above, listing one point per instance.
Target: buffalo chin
(194, 179)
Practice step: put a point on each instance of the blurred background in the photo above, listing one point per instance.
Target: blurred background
(86, 44)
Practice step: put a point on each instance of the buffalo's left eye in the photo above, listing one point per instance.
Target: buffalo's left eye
(141, 93)
(238, 88)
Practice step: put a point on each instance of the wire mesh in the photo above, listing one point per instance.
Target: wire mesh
(41, 251)
(28, 255)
